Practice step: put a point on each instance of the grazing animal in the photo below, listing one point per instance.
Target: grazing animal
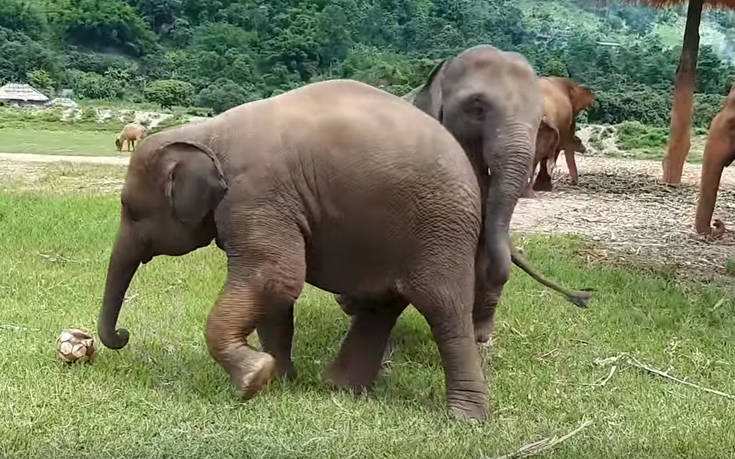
(131, 133)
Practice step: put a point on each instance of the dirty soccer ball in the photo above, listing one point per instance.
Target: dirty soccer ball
(75, 345)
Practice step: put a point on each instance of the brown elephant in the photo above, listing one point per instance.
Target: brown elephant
(719, 152)
(491, 101)
(131, 133)
(563, 101)
(337, 184)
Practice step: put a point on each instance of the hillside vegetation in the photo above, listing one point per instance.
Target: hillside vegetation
(221, 53)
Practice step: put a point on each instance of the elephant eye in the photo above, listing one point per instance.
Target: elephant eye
(132, 215)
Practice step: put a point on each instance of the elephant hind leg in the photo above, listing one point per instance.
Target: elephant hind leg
(263, 282)
(572, 166)
(361, 355)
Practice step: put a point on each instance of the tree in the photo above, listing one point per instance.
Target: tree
(169, 93)
(686, 75)
(223, 94)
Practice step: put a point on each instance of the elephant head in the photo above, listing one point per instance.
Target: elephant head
(168, 202)
(492, 103)
(719, 152)
(579, 96)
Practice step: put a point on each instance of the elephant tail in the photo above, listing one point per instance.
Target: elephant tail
(578, 298)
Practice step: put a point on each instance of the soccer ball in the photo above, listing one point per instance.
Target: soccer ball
(75, 345)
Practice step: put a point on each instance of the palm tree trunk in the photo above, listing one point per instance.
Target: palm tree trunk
(683, 106)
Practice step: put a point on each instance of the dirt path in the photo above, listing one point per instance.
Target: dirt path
(618, 203)
(33, 158)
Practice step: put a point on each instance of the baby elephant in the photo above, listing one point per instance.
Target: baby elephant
(337, 184)
(131, 133)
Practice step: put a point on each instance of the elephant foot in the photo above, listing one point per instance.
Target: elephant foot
(544, 185)
(252, 376)
(469, 407)
(285, 370)
(339, 377)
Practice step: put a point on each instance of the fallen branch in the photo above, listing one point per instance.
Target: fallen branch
(664, 374)
(545, 444)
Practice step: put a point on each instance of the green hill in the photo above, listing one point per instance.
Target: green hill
(224, 52)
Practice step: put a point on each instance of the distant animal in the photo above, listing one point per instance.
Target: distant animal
(131, 133)
(563, 101)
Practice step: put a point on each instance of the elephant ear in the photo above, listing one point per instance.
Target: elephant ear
(194, 183)
(429, 98)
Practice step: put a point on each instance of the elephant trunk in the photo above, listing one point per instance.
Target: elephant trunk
(509, 161)
(708, 185)
(124, 261)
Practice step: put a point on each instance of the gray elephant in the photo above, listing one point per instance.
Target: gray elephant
(337, 184)
(492, 102)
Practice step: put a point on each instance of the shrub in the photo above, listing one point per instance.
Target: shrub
(635, 135)
(92, 85)
(222, 95)
(41, 80)
(168, 93)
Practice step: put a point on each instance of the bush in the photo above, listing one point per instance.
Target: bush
(222, 95)
(93, 85)
(168, 93)
(634, 135)
(41, 80)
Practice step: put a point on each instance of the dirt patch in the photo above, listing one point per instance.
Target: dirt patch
(622, 205)
(61, 177)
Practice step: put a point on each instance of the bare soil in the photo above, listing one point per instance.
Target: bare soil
(621, 204)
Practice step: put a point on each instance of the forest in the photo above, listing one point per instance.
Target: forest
(221, 53)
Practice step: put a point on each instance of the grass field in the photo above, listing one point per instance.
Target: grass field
(58, 142)
(163, 396)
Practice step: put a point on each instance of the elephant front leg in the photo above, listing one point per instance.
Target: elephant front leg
(543, 179)
(265, 277)
(234, 317)
(571, 165)
(361, 355)
(276, 338)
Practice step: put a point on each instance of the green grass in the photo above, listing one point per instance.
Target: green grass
(163, 396)
(58, 142)
(639, 141)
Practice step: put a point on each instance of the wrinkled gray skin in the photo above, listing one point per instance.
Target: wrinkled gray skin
(492, 103)
(337, 184)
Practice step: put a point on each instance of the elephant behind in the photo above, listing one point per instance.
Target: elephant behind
(719, 152)
(337, 184)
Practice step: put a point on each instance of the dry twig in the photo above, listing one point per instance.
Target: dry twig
(664, 374)
(545, 444)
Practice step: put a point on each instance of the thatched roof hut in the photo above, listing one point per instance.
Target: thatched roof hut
(21, 94)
